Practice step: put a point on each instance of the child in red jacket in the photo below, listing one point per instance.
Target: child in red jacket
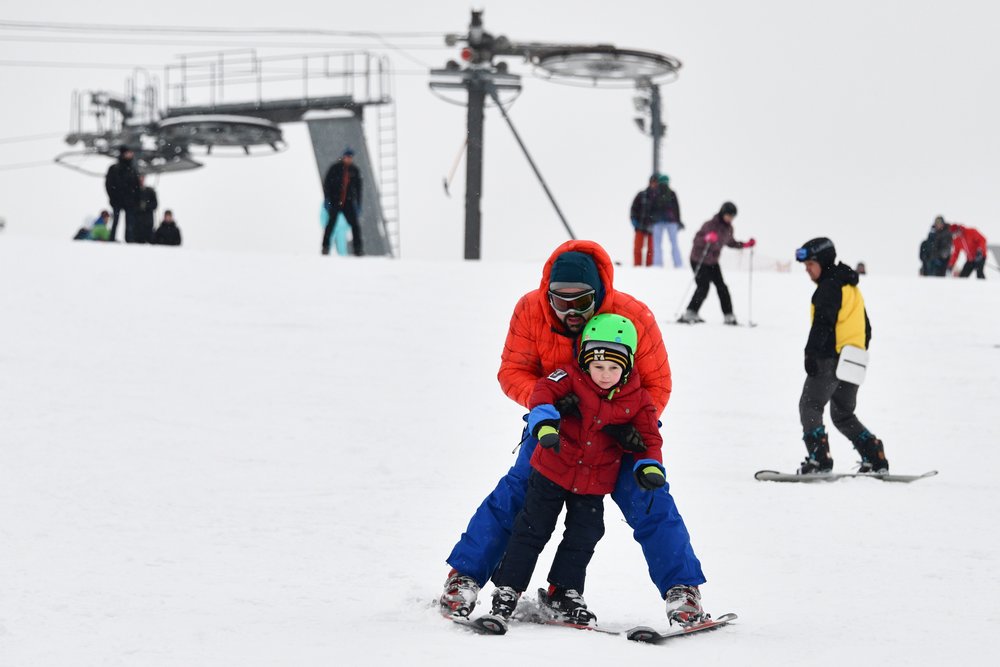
(581, 415)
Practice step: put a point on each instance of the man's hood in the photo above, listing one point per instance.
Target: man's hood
(842, 273)
(605, 269)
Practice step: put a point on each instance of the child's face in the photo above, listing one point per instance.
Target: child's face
(605, 374)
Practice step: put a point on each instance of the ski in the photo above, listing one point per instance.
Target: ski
(487, 624)
(775, 476)
(574, 626)
(648, 635)
(538, 611)
(651, 636)
(738, 325)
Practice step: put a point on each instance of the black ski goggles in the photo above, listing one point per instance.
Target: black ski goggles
(564, 304)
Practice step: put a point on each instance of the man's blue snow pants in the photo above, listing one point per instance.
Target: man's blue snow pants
(661, 532)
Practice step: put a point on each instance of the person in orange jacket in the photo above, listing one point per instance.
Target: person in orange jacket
(577, 283)
(973, 244)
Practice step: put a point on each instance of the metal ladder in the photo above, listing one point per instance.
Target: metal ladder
(388, 174)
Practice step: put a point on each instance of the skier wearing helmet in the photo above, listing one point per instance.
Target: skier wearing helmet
(577, 464)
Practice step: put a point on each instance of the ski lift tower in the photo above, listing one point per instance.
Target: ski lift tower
(599, 65)
(216, 104)
(613, 67)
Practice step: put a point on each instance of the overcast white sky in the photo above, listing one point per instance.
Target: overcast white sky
(852, 119)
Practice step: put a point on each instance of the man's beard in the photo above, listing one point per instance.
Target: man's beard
(576, 326)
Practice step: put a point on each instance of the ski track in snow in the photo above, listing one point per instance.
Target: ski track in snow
(238, 459)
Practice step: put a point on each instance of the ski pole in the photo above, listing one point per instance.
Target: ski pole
(750, 296)
(694, 279)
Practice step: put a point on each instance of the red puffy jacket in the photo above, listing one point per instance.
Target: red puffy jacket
(967, 240)
(589, 459)
(537, 343)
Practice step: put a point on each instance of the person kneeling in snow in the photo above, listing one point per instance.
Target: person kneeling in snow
(98, 231)
(839, 320)
(604, 411)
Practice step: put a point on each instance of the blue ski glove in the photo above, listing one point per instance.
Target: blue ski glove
(545, 412)
(548, 436)
(649, 474)
(635, 224)
(543, 423)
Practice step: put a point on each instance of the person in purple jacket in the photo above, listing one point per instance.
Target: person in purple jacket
(705, 252)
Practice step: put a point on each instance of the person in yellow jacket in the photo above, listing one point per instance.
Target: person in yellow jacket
(839, 318)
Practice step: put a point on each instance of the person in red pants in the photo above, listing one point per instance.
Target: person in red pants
(647, 208)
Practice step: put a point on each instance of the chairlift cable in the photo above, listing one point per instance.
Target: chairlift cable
(31, 137)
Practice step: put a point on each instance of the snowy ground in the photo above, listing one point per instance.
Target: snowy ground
(232, 459)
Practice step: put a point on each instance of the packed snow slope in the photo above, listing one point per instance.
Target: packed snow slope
(253, 460)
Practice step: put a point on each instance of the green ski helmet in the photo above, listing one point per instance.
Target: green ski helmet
(609, 337)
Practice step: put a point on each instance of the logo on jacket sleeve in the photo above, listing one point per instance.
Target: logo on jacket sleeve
(557, 375)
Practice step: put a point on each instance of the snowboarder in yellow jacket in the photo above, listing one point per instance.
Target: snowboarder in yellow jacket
(839, 319)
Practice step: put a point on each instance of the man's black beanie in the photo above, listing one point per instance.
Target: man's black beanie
(577, 267)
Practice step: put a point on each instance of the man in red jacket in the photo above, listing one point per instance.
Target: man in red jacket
(973, 244)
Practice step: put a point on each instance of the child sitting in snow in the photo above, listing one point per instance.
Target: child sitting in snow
(577, 464)
(99, 230)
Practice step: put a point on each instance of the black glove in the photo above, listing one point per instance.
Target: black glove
(649, 477)
(627, 436)
(550, 441)
(812, 366)
(547, 433)
(568, 405)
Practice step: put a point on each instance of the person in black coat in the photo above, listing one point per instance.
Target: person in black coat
(342, 192)
(122, 186)
(168, 233)
(146, 215)
(940, 250)
(647, 208)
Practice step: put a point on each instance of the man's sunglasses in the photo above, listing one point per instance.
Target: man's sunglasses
(564, 304)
